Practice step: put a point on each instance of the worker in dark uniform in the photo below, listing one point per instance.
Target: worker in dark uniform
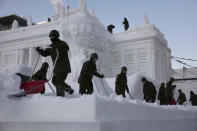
(149, 90)
(181, 97)
(121, 82)
(86, 75)
(62, 66)
(126, 24)
(161, 94)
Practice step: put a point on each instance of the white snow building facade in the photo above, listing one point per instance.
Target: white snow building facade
(142, 49)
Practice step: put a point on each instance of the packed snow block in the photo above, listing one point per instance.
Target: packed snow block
(140, 116)
(94, 113)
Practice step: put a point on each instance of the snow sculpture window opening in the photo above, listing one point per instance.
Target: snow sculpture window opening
(129, 57)
(116, 59)
(142, 55)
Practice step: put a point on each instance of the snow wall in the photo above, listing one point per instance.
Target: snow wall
(88, 112)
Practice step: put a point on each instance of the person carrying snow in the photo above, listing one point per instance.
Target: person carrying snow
(126, 24)
(169, 92)
(161, 94)
(110, 28)
(62, 66)
(86, 75)
(149, 90)
(121, 82)
(181, 97)
(193, 98)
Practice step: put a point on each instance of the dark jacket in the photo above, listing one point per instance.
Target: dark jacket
(193, 99)
(40, 75)
(121, 83)
(181, 98)
(126, 24)
(87, 72)
(161, 94)
(149, 90)
(110, 28)
(169, 94)
(63, 63)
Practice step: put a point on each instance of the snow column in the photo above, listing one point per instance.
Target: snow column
(21, 58)
(31, 55)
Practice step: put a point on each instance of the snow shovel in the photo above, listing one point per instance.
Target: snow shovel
(33, 87)
(131, 96)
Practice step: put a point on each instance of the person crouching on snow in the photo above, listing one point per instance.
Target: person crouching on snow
(121, 82)
(86, 75)
(40, 75)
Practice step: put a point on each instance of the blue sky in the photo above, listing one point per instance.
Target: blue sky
(177, 19)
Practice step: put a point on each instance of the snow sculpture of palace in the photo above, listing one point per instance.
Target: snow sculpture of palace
(142, 49)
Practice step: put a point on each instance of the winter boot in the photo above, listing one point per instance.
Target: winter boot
(68, 89)
(60, 91)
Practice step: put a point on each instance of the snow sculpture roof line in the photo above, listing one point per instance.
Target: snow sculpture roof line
(145, 20)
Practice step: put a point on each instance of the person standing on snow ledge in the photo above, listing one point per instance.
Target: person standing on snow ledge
(121, 82)
(62, 67)
(86, 75)
(126, 24)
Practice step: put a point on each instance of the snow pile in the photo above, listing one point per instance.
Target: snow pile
(9, 82)
(23, 69)
(135, 85)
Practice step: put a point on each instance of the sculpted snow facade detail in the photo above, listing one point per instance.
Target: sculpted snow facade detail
(142, 49)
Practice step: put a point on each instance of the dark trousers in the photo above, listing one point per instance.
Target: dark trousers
(162, 102)
(149, 99)
(86, 88)
(121, 93)
(59, 81)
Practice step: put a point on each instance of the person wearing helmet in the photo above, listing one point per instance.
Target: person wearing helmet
(181, 97)
(86, 75)
(41, 74)
(121, 82)
(149, 90)
(169, 92)
(62, 66)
